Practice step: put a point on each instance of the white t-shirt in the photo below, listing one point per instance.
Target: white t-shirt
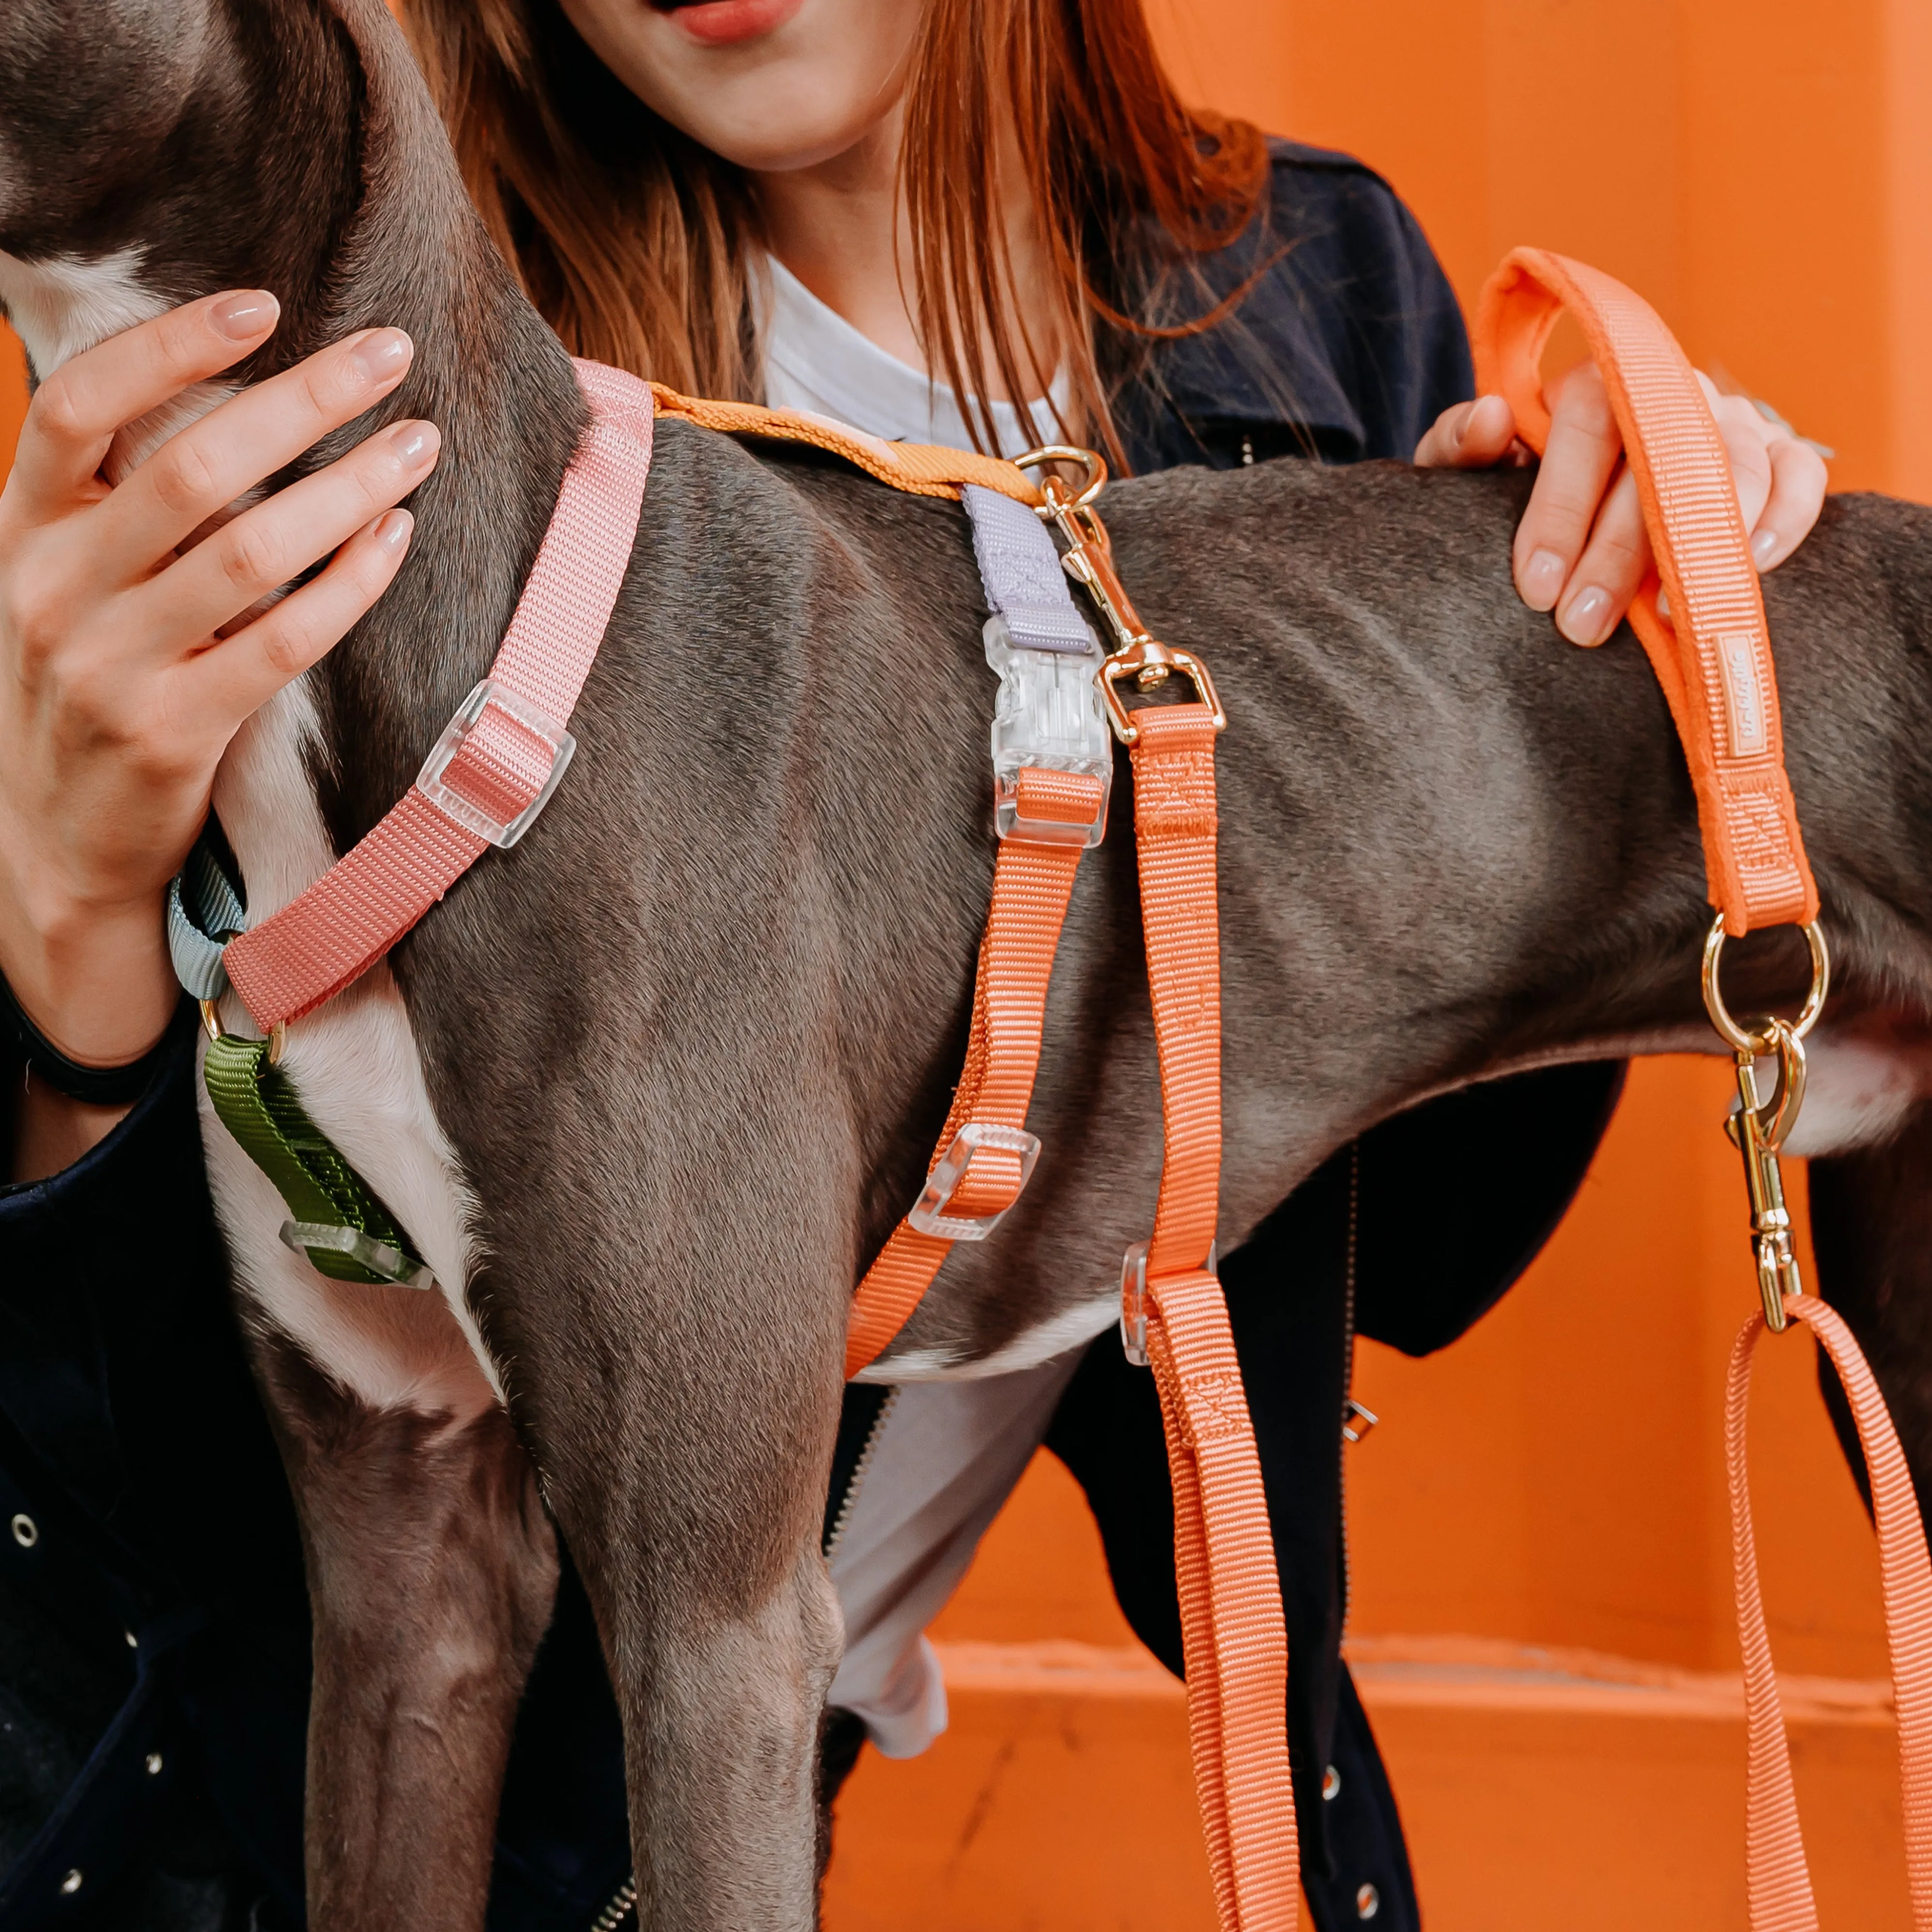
(945, 1456)
(817, 361)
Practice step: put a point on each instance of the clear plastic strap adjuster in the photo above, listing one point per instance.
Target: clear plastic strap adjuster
(378, 1257)
(540, 736)
(928, 1213)
(1134, 1300)
(1049, 716)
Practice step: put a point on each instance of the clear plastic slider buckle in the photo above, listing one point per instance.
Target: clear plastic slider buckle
(512, 757)
(1134, 1300)
(929, 1214)
(1050, 716)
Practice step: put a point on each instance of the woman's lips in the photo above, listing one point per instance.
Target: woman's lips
(719, 23)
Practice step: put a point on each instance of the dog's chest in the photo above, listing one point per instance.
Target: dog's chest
(356, 1065)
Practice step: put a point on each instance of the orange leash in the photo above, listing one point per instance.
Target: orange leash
(1712, 656)
(1233, 1635)
(1778, 1880)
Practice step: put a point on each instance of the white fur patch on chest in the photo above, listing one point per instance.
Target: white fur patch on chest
(354, 1063)
(66, 304)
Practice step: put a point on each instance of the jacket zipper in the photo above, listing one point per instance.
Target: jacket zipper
(619, 1908)
(1348, 1417)
(849, 1499)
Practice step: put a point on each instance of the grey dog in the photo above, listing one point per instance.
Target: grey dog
(650, 1089)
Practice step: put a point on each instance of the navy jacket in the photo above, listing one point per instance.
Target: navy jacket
(150, 1594)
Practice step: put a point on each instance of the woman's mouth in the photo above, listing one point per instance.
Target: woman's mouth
(720, 23)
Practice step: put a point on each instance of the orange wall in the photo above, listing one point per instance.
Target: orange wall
(1761, 168)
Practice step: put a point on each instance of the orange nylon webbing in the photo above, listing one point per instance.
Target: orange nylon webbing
(1234, 1634)
(924, 470)
(1715, 664)
(1031, 885)
(1778, 1884)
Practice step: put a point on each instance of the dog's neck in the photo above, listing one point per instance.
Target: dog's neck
(384, 235)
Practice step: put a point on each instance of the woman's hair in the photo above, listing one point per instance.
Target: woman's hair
(637, 244)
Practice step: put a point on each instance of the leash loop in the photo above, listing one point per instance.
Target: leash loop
(1757, 1039)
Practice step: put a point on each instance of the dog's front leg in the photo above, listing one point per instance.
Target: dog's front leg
(432, 1571)
(687, 1471)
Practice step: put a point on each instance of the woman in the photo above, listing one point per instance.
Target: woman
(984, 220)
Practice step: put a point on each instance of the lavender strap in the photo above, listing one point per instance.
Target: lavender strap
(1019, 564)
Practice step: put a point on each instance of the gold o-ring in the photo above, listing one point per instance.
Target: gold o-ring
(1735, 1035)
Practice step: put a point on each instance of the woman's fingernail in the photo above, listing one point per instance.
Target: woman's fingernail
(393, 528)
(1542, 580)
(1764, 547)
(412, 444)
(383, 354)
(1588, 617)
(246, 312)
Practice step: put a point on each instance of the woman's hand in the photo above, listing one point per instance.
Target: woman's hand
(1581, 549)
(118, 694)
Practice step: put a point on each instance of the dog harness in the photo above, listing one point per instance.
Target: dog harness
(1061, 696)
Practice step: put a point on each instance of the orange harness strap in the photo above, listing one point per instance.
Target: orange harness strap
(1031, 885)
(1712, 656)
(924, 469)
(1233, 1630)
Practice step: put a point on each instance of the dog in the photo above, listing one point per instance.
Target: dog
(650, 1090)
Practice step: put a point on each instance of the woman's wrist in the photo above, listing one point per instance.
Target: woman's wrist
(95, 981)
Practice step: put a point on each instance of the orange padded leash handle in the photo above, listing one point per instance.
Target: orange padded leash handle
(1712, 656)
(1778, 1884)
(1233, 1632)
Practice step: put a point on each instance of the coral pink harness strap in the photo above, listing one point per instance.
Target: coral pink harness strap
(500, 760)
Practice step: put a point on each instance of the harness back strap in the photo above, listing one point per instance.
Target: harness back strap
(1234, 1636)
(1777, 1881)
(1712, 655)
(924, 469)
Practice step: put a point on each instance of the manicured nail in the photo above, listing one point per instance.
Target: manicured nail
(383, 355)
(1542, 580)
(414, 443)
(393, 528)
(246, 312)
(1588, 617)
(1764, 547)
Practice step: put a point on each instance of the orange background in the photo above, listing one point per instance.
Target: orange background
(1763, 172)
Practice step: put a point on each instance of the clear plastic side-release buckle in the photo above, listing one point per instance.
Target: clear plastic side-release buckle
(378, 1257)
(1050, 716)
(519, 752)
(928, 1213)
(1134, 1300)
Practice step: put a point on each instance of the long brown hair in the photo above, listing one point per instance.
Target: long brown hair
(637, 244)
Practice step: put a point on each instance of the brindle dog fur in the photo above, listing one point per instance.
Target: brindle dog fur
(692, 1041)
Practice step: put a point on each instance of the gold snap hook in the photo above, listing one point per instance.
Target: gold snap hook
(1093, 479)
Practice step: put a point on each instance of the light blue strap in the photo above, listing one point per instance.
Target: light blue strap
(204, 913)
(1019, 564)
